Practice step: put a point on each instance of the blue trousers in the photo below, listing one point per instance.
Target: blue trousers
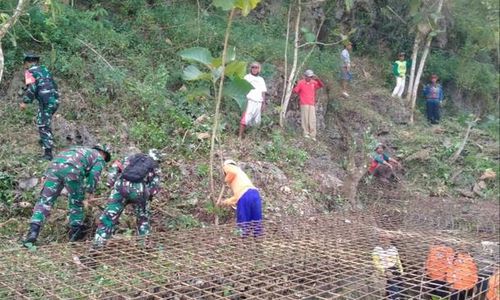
(249, 213)
(432, 108)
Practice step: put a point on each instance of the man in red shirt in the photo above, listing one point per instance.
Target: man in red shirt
(306, 89)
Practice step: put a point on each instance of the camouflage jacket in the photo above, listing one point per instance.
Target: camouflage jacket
(88, 161)
(40, 85)
(152, 180)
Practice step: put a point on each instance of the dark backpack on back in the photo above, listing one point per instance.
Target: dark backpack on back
(138, 168)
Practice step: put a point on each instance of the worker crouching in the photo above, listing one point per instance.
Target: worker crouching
(246, 198)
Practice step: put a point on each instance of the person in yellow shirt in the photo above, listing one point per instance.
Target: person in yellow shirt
(389, 267)
(246, 198)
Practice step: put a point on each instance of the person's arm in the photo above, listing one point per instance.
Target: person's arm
(377, 262)
(230, 201)
(113, 173)
(297, 87)
(425, 91)
(154, 182)
(319, 83)
(441, 94)
(94, 175)
(394, 161)
(395, 69)
(399, 265)
(408, 64)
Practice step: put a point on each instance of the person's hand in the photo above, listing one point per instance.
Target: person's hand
(22, 106)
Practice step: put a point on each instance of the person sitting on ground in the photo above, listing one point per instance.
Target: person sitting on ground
(134, 180)
(246, 198)
(388, 264)
(78, 169)
(306, 89)
(256, 98)
(382, 165)
(433, 93)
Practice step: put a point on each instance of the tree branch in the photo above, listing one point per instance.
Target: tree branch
(12, 20)
(464, 141)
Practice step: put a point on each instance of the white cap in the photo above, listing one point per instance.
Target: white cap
(309, 73)
(229, 162)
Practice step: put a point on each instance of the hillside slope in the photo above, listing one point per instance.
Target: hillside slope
(141, 102)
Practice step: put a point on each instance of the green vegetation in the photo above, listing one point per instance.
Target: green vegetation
(145, 73)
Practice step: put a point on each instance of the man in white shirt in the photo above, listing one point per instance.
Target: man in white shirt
(255, 98)
(346, 67)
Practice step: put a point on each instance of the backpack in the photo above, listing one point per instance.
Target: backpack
(139, 167)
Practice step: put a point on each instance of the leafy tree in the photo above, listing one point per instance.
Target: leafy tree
(7, 23)
(218, 69)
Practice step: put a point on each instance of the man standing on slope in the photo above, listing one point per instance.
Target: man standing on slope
(41, 85)
(306, 89)
(76, 169)
(134, 179)
(256, 98)
(346, 67)
(399, 68)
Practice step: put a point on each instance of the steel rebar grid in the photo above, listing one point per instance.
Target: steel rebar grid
(320, 257)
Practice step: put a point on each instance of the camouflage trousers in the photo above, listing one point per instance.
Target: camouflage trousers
(44, 124)
(58, 177)
(124, 193)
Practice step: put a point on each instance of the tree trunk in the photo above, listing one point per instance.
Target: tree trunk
(414, 56)
(418, 76)
(291, 77)
(215, 128)
(5, 27)
(413, 99)
(285, 71)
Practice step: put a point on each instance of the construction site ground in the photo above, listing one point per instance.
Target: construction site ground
(327, 256)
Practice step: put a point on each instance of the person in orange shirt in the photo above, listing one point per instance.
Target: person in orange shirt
(439, 260)
(462, 276)
(493, 292)
(246, 198)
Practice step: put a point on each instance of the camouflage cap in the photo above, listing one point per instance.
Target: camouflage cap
(104, 148)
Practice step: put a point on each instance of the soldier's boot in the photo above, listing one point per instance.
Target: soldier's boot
(32, 235)
(76, 233)
(47, 154)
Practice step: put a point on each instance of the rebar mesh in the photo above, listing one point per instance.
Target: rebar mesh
(320, 257)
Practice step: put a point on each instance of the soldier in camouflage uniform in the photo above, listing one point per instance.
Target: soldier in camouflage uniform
(41, 86)
(125, 192)
(76, 169)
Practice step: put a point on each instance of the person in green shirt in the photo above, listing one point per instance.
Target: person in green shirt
(399, 68)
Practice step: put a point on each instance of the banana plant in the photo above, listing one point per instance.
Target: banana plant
(235, 88)
(217, 69)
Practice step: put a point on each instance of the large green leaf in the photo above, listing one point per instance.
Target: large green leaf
(238, 89)
(198, 54)
(230, 56)
(246, 5)
(224, 4)
(236, 68)
(193, 73)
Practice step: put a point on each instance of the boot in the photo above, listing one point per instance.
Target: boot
(32, 234)
(76, 233)
(47, 154)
